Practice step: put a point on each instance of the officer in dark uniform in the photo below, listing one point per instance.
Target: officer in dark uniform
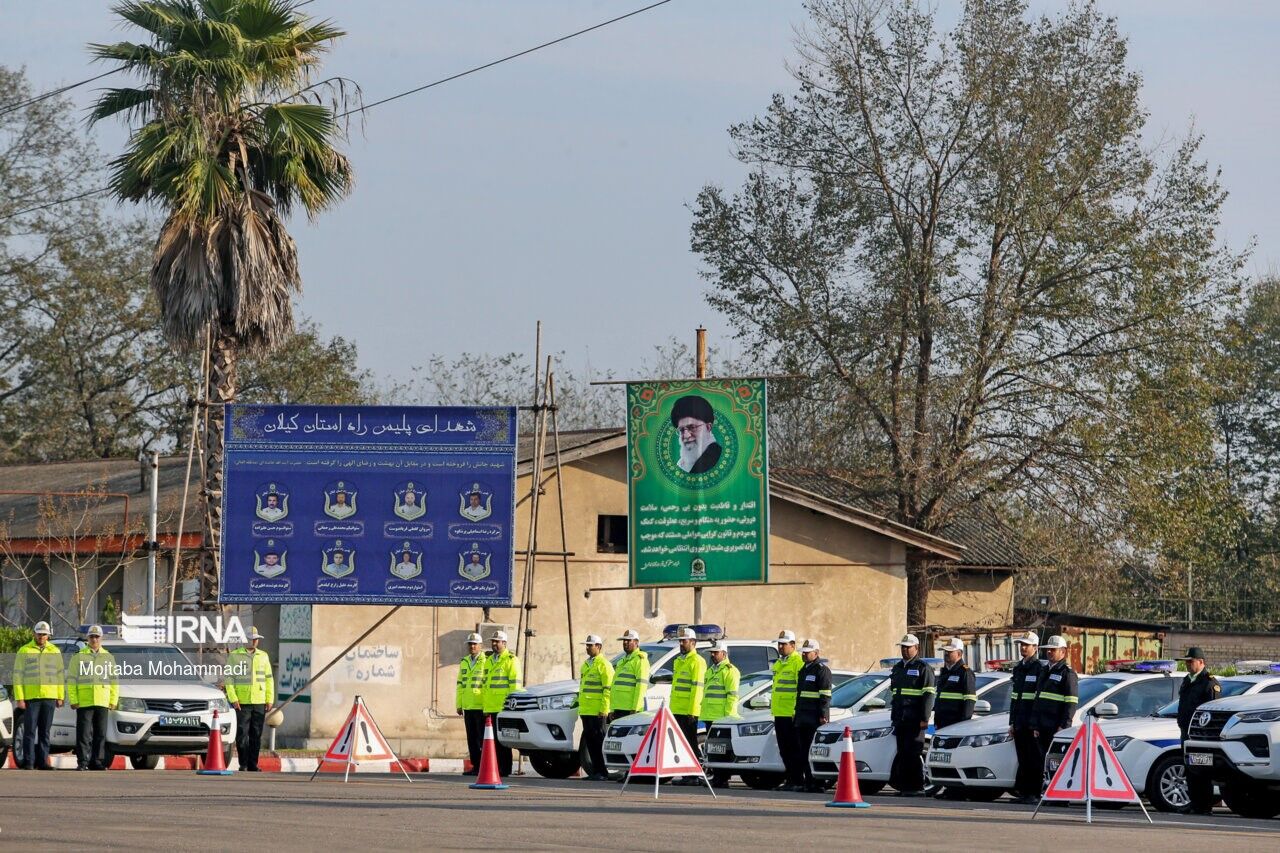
(957, 692)
(1025, 679)
(911, 683)
(1057, 695)
(1197, 688)
(813, 708)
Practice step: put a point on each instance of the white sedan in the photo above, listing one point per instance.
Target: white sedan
(6, 724)
(1150, 748)
(977, 757)
(747, 747)
(874, 747)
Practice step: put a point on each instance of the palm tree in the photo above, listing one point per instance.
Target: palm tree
(232, 132)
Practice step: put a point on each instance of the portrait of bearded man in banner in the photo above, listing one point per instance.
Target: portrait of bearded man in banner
(694, 421)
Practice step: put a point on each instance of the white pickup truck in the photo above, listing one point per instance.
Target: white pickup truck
(542, 720)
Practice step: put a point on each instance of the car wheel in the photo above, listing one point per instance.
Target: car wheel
(982, 795)
(4, 755)
(144, 762)
(1167, 784)
(18, 731)
(870, 789)
(1251, 800)
(226, 757)
(763, 781)
(554, 765)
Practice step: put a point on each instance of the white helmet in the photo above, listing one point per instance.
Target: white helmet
(42, 627)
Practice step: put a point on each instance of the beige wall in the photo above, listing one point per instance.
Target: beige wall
(972, 599)
(851, 597)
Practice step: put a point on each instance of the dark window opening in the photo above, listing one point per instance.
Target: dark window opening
(611, 534)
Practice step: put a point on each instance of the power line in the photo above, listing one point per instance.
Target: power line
(4, 111)
(406, 93)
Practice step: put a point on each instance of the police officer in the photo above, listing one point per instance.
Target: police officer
(782, 704)
(1056, 696)
(630, 678)
(38, 688)
(92, 689)
(720, 700)
(1024, 680)
(470, 699)
(957, 692)
(501, 679)
(1197, 688)
(813, 708)
(912, 686)
(251, 689)
(688, 684)
(594, 682)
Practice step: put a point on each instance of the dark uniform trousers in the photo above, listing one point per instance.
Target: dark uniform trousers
(784, 729)
(907, 771)
(1030, 776)
(249, 719)
(593, 736)
(37, 723)
(474, 722)
(688, 724)
(91, 737)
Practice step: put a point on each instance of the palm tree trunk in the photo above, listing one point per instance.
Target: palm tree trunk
(220, 393)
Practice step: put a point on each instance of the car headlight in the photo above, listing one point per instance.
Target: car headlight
(1268, 716)
(559, 702)
(220, 705)
(754, 729)
(1119, 742)
(129, 703)
(986, 740)
(872, 734)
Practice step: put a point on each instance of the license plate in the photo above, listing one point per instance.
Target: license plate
(717, 748)
(179, 721)
(1200, 759)
(936, 757)
(613, 745)
(509, 734)
(1054, 764)
(820, 751)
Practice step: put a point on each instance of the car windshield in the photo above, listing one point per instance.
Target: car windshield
(654, 652)
(1093, 686)
(848, 693)
(1230, 687)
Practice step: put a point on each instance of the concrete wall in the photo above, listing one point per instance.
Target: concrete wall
(850, 593)
(1222, 648)
(972, 599)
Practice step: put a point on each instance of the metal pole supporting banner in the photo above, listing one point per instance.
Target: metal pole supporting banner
(153, 544)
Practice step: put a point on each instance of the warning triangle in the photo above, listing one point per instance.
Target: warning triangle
(665, 751)
(1068, 783)
(359, 739)
(1107, 779)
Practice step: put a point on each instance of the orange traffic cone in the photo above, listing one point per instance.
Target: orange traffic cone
(847, 794)
(213, 764)
(488, 777)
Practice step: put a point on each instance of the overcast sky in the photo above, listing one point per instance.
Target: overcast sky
(556, 186)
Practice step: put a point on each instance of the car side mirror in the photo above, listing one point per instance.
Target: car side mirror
(660, 678)
(876, 704)
(1105, 709)
(982, 706)
(758, 703)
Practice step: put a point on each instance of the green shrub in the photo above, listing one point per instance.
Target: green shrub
(12, 639)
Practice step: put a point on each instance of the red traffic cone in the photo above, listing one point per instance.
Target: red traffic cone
(847, 794)
(213, 764)
(488, 777)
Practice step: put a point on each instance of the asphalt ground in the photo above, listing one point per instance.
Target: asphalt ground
(168, 810)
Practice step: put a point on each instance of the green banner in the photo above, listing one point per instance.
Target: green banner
(698, 482)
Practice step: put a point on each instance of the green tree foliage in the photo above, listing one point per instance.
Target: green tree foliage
(1003, 298)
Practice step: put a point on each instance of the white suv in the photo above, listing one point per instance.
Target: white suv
(154, 717)
(542, 720)
(1237, 742)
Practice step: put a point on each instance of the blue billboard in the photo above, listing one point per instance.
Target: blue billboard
(368, 505)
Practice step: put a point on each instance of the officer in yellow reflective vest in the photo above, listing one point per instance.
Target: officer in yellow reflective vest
(251, 689)
(469, 699)
(38, 688)
(630, 678)
(782, 704)
(501, 679)
(596, 679)
(92, 689)
(688, 681)
(721, 698)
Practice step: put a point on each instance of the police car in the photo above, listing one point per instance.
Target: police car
(1150, 748)
(1237, 741)
(169, 716)
(6, 724)
(747, 747)
(977, 757)
(542, 720)
(874, 747)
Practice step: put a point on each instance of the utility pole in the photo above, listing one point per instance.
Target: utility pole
(153, 545)
(701, 372)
